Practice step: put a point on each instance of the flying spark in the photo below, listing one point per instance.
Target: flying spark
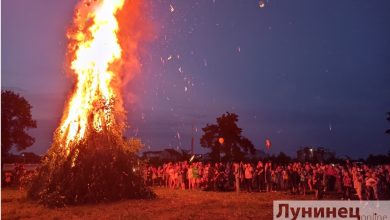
(261, 4)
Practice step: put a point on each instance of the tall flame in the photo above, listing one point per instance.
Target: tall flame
(95, 56)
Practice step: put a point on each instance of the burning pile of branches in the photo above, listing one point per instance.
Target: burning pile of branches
(90, 160)
(104, 167)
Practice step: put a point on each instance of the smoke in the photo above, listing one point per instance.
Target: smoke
(135, 31)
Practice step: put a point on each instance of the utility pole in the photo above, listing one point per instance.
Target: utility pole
(192, 139)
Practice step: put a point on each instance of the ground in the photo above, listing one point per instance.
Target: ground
(170, 204)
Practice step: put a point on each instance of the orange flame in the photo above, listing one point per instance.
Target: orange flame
(103, 40)
(95, 59)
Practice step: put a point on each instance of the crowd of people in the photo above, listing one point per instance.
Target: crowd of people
(19, 176)
(350, 181)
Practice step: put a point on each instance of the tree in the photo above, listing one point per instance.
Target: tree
(388, 118)
(283, 158)
(15, 120)
(225, 138)
(377, 159)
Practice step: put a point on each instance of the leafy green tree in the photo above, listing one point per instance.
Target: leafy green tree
(225, 138)
(15, 120)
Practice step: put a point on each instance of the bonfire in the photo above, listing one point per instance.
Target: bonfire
(90, 160)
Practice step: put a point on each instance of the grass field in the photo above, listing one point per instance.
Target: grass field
(170, 204)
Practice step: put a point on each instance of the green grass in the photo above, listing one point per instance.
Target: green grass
(170, 204)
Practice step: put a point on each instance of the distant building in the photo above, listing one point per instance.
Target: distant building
(166, 155)
(31, 157)
(315, 154)
(25, 157)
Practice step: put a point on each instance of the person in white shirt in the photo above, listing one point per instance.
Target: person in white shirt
(248, 174)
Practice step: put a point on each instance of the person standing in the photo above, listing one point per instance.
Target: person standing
(184, 176)
(302, 181)
(260, 176)
(189, 177)
(285, 180)
(248, 176)
(195, 176)
(8, 178)
(371, 186)
(267, 176)
(317, 181)
(358, 184)
(237, 177)
(295, 180)
(166, 174)
(171, 172)
(347, 183)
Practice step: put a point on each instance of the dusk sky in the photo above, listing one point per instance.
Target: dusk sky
(300, 72)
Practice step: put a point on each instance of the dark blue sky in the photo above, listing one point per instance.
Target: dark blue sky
(299, 72)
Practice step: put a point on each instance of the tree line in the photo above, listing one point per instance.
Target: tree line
(224, 138)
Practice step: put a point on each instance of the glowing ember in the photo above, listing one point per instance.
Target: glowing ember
(95, 53)
(261, 4)
(171, 8)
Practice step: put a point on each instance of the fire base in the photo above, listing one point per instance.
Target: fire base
(102, 168)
